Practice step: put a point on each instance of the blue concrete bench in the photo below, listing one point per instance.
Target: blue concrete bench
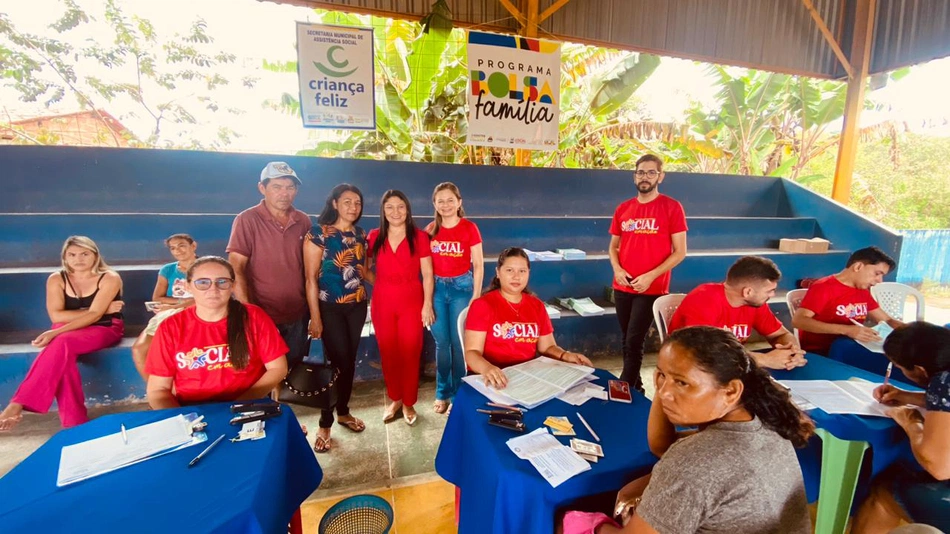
(23, 313)
(124, 239)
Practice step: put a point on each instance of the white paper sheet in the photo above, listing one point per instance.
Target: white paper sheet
(108, 453)
(554, 461)
(839, 397)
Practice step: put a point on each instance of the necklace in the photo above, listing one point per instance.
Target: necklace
(513, 308)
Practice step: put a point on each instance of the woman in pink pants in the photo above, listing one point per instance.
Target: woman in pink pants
(83, 304)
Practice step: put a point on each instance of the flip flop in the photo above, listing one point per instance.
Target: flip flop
(441, 406)
(321, 445)
(355, 425)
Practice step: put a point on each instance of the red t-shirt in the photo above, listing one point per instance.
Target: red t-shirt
(645, 232)
(194, 353)
(835, 303)
(707, 306)
(512, 330)
(400, 267)
(452, 248)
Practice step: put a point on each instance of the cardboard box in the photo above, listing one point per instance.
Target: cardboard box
(815, 245)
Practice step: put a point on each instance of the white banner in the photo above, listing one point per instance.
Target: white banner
(335, 71)
(514, 94)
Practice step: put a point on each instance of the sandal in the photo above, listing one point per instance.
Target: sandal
(321, 444)
(354, 424)
(441, 406)
(391, 416)
(410, 419)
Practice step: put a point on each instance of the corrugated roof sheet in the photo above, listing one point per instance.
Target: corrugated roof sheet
(777, 35)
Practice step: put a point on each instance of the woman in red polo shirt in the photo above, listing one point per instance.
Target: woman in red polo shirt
(217, 350)
(509, 325)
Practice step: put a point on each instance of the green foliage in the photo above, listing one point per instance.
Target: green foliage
(45, 69)
(899, 180)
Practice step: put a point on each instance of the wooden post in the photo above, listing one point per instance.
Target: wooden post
(860, 63)
(530, 29)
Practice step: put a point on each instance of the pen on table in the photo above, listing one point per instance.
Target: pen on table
(506, 407)
(204, 452)
(589, 429)
(125, 436)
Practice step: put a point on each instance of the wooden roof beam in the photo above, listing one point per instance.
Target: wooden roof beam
(551, 10)
(832, 42)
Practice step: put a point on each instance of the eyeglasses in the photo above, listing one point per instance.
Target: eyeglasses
(204, 284)
(651, 173)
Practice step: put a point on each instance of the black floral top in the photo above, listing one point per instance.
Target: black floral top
(938, 393)
(341, 273)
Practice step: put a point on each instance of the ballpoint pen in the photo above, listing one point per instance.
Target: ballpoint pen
(204, 452)
(125, 436)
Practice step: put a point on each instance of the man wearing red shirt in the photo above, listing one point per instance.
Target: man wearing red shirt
(834, 304)
(647, 239)
(740, 305)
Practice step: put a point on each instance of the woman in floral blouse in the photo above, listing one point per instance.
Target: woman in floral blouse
(915, 492)
(335, 264)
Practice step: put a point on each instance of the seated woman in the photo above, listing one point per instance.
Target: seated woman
(217, 350)
(83, 304)
(509, 325)
(738, 472)
(170, 295)
(907, 492)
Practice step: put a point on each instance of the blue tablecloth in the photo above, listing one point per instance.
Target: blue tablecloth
(502, 493)
(247, 487)
(888, 441)
(850, 352)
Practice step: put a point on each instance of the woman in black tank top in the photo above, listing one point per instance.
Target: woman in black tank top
(83, 302)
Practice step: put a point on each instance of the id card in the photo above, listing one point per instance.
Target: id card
(585, 447)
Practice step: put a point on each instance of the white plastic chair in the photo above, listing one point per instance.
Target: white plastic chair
(793, 299)
(461, 327)
(892, 296)
(663, 309)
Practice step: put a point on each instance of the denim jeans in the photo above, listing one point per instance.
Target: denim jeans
(451, 296)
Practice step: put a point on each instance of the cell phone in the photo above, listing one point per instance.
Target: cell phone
(152, 306)
(619, 390)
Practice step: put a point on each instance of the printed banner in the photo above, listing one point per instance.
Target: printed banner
(335, 71)
(514, 96)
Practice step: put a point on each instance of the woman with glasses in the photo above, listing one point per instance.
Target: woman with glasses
(217, 350)
(83, 302)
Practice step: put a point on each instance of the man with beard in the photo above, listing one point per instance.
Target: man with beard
(647, 239)
(740, 305)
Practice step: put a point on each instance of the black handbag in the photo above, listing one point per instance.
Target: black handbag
(311, 385)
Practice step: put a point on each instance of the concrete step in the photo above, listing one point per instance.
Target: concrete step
(136, 238)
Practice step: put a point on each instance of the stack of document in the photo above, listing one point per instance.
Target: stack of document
(544, 255)
(571, 253)
(584, 307)
(583, 392)
(853, 396)
(553, 311)
(108, 453)
(554, 461)
(534, 382)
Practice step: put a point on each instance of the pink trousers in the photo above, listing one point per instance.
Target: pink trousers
(54, 373)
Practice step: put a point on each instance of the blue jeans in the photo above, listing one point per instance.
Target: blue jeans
(451, 296)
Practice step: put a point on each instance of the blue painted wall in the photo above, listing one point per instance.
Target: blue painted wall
(925, 257)
(129, 200)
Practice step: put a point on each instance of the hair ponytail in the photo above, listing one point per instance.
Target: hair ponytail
(238, 348)
(773, 406)
(720, 354)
